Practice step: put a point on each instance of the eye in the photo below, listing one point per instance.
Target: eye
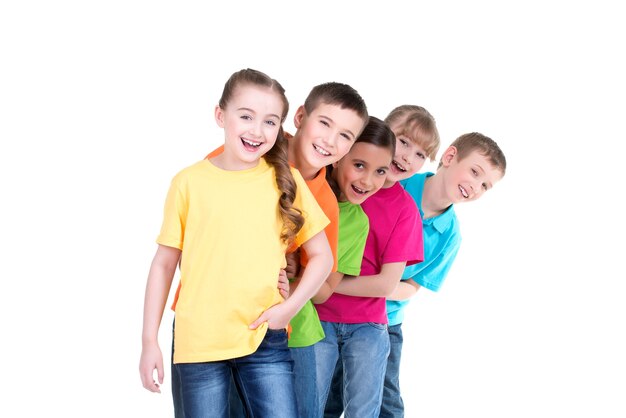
(246, 117)
(403, 142)
(346, 136)
(270, 122)
(421, 155)
(323, 122)
(474, 172)
(359, 165)
(381, 172)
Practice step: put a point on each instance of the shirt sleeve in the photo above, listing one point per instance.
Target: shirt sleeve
(174, 216)
(433, 275)
(314, 218)
(406, 242)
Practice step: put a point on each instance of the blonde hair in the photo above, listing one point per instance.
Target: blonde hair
(475, 141)
(417, 124)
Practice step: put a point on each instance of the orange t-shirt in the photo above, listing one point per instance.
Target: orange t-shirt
(325, 198)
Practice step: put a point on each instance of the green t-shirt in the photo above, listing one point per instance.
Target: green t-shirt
(353, 229)
(306, 329)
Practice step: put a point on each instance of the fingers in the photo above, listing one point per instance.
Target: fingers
(148, 382)
(258, 321)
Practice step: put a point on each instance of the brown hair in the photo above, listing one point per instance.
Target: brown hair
(376, 132)
(277, 156)
(474, 141)
(339, 94)
(418, 125)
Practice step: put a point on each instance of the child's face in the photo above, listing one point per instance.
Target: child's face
(362, 172)
(468, 179)
(251, 122)
(409, 158)
(325, 135)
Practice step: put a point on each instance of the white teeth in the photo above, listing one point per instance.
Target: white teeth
(359, 190)
(251, 143)
(463, 192)
(321, 151)
(398, 165)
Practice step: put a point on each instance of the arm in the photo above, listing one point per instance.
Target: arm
(160, 278)
(378, 285)
(327, 288)
(406, 290)
(317, 269)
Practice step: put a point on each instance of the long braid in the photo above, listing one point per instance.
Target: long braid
(291, 216)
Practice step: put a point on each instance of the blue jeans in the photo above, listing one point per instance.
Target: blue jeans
(236, 407)
(334, 401)
(363, 350)
(305, 374)
(264, 378)
(392, 406)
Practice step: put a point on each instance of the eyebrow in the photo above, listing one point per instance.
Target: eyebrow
(252, 111)
(488, 183)
(332, 121)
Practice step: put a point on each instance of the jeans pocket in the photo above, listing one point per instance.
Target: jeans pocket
(382, 327)
(276, 338)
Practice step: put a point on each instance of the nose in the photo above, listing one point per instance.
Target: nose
(367, 180)
(330, 140)
(256, 129)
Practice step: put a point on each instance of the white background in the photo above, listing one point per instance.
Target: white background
(101, 103)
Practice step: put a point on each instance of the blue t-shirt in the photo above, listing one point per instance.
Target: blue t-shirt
(442, 239)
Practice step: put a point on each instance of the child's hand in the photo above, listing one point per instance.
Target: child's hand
(283, 284)
(277, 317)
(151, 359)
(293, 263)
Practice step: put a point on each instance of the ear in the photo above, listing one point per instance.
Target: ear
(448, 156)
(219, 116)
(299, 117)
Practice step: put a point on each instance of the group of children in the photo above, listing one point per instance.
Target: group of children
(337, 207)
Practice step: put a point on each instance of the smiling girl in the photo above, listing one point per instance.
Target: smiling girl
(230, 316)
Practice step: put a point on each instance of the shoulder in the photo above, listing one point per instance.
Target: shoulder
(191, 171)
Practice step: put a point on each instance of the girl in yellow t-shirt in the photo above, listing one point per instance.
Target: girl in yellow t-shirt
(228, 221)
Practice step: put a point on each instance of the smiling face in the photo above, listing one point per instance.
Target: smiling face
(324, 136)
(251, 122)
(468, 179)
(409, 159)
(362, 171)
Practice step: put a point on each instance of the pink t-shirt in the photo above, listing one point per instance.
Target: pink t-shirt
(395, 235)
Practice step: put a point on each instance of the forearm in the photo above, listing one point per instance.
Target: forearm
(307, 286)
(378, 285)
(327, 288)
(319, 265)
(158, 286)
(406, 289)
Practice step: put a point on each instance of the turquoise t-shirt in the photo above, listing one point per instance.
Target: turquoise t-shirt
(353, 229)
(442, 239)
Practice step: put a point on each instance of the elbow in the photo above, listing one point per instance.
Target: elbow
(319, 299)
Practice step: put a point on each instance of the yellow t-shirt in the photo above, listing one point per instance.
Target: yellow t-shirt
(228, 226)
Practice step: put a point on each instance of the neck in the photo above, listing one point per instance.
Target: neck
(388, 184)
(434, 201)
(307, 172)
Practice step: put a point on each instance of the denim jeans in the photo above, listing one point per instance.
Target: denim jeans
(177, 396)
(392, 406)
(264, 378)
(305, 375)
(334, 401)
(236, 407)
(363, 350)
